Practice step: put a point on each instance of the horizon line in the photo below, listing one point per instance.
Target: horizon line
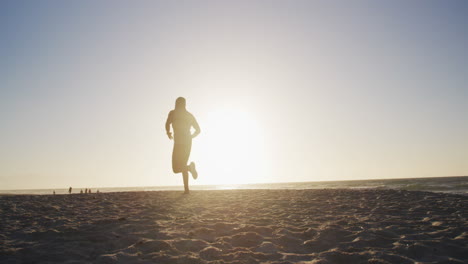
(239, 184)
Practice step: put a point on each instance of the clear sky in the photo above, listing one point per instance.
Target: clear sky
(283, 90)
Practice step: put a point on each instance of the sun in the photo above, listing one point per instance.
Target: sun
(230, 149)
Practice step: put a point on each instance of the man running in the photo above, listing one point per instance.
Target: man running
(182, 121)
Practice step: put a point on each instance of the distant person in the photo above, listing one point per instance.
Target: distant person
(182, 121)
(86, 191)
(54, 192)
(81, 192)
(70, 190)
(89, 191)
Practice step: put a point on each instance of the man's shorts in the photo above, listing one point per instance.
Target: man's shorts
(180, 156)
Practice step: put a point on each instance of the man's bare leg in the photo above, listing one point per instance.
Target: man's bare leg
(193, 170)
(185, 176)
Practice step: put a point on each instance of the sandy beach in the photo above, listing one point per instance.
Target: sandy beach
(236, 226)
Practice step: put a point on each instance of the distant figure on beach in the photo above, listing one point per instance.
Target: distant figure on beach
(86, 191)
(182, 121)
(81, 192)
(89, 191)
(70, 190)
(54, 192)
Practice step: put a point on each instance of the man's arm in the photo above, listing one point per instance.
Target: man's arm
(168, 125)
(197, 128)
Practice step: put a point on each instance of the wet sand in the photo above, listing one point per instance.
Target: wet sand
(235, 226)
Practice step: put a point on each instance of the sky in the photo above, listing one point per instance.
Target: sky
(284, 91)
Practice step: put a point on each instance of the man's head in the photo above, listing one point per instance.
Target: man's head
(180, 103)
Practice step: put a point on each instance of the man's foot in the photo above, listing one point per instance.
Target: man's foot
(186, 192)
(193, 170)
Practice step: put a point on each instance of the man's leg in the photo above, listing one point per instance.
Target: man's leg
(193, 170)
(185, 176)
(186, 155)
(180, 156)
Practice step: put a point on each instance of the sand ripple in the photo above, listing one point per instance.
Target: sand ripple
(236, 226)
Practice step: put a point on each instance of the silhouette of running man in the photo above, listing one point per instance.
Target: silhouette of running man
(182, 121)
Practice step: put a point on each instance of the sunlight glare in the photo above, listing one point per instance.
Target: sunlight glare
(231, 149)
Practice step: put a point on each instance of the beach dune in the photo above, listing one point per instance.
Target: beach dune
(236, 226)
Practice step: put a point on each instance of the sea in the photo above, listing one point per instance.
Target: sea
(456, 185)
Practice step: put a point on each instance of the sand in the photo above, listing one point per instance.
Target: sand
(236, 226)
